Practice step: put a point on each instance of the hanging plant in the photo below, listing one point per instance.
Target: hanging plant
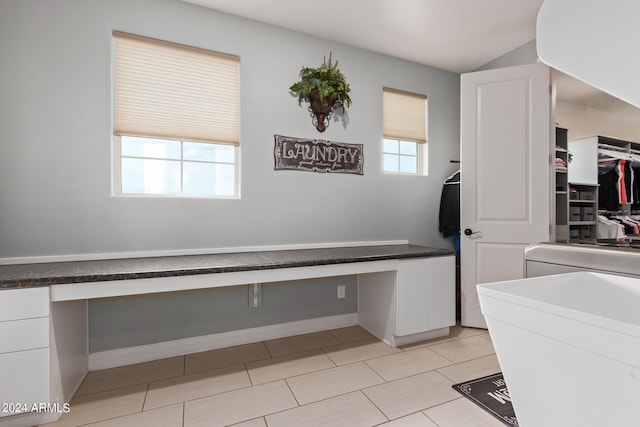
(325, 89)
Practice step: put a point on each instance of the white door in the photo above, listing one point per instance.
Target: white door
(505, 144)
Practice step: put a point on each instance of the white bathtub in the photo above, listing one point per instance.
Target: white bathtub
(569, 347)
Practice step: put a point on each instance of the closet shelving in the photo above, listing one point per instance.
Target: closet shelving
(561, 185)
(587, 152)
(583, 212)
(592, 153)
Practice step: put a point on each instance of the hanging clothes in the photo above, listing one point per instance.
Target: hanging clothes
(635, 189)
(625, 182)
(450, 206)
(608, 198)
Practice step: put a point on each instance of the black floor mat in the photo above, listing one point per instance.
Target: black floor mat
(491, 394)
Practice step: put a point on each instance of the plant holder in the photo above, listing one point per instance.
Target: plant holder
(325, 89)
(321, 110)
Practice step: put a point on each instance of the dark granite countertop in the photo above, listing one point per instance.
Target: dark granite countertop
(46, 274)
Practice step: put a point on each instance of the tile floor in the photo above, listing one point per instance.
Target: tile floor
(342, 377)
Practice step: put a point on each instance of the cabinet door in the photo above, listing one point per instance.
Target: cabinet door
(413, 296)
(25, 379)
(442, 292)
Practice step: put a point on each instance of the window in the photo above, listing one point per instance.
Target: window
(170, 167)
(175, 119)
(405, 130)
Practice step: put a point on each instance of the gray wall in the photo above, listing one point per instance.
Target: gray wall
(55, 148)
(525, 54)
(164, 317)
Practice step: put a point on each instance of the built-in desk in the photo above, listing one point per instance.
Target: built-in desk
(406, 293)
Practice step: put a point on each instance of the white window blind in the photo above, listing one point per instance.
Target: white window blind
(172, 91)
(405, 115)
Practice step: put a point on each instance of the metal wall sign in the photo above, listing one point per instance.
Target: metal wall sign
(317, 155)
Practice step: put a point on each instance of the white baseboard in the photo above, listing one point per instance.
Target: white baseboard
(397, 341)
(145, 353)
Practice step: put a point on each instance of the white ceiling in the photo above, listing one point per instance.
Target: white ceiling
(453, 35)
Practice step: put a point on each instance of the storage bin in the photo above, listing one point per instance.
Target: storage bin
(574, 213)
(586, 195)
(574, 234)
(569, 347)
(585, 233)
(586, 213)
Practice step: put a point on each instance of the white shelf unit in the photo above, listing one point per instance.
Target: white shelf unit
(561, 187)
(583, 212)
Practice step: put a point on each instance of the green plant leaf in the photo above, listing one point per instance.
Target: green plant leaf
(327, 78)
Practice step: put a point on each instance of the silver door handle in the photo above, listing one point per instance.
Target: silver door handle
(468, 232)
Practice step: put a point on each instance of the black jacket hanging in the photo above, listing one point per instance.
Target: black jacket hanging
(450, 206)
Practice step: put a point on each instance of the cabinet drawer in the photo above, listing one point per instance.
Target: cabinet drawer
(25, 378)
(16, 304)
(18, 335)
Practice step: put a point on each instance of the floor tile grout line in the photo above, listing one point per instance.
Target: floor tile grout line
(146, 394)
(184, 357)
(319, 370)
(384, 380)
(264, 344)
(246, 370)
(217, 368)
(364, 361)
(309, 349)
(268, 382)
(431, 419)
(321, 350)
(291, 391)
(410, 375)
(100, 420)
(375, 406)
(440, 404)
(120, 387)
(324, 400)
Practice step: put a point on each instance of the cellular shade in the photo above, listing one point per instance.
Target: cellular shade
(404, 115)
(167, 90)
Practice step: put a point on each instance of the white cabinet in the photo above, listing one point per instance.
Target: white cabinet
(24, 349)
(426, 295)
(442, 292)
(413, 297)
(415, 303)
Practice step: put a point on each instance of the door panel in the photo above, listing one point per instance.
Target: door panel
(505, 145)
(503, 110)
(498, 262)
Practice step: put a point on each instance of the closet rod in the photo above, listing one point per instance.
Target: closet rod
(612, 147)
(618, 155)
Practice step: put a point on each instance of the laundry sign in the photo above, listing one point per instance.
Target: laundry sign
(317, 155)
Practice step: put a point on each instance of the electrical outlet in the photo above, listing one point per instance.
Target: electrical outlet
(342, 290)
